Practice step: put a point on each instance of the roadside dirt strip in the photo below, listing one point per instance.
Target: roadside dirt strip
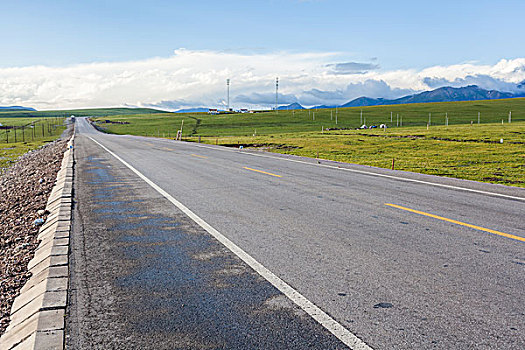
(37, 315)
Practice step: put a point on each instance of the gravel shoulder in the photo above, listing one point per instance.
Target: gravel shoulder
(24, 190)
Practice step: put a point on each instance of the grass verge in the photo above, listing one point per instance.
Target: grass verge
(465, 152)
(35, 133)
(462, 149)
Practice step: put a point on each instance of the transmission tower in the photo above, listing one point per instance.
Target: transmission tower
(276, 93)
(227, 95)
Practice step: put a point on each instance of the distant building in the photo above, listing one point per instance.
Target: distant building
(213, 111)
(244, 110)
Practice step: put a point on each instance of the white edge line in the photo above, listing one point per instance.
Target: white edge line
(334, 327)
(356, 171)
(371, 173)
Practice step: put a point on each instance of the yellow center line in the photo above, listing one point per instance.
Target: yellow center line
(503, 234)
(262, 172)
(196, 155)
(167, 149)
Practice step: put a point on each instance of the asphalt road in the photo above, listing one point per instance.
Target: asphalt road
(343, 236)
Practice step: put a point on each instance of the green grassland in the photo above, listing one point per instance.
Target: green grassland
(460, 151)
(41, 127)
(463, 149)
(35, 133)
(78, 112)
(267, 123)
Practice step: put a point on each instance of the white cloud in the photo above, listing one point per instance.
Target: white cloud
(197, 78)
(352, 67)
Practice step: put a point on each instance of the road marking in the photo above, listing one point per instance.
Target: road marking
(196, 155)
(334, 327)
(518, 238)
(458, 188)
(368, 173)
(167, 149)
(262, 172)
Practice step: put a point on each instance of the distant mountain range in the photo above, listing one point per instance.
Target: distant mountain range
(444, 94)
(294, 105)
(16, 108)
(193, 110)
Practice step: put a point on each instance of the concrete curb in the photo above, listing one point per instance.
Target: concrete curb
(38, 313)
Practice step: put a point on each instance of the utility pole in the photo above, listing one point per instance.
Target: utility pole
(510, 117)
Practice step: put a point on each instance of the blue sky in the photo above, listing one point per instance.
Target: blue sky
(386, 36)
(400, 34)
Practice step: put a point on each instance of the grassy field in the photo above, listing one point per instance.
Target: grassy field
(35, 133)
(40, 127)
(463, 149)
(77, 112)
(309, 120)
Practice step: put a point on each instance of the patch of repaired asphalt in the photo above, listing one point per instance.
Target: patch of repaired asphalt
(145, 276)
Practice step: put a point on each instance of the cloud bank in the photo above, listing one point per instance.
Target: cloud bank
(198, 78)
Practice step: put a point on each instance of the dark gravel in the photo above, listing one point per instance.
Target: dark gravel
(24, 190)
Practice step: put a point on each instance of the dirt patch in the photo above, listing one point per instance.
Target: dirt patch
(474, 140)
(265, 146)
(501, 179)
(417, 137)
(24, 190)
(107, 121)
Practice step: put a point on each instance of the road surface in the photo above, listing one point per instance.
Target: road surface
(391, 260)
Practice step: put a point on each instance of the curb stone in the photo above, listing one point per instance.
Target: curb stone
(38, 313)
